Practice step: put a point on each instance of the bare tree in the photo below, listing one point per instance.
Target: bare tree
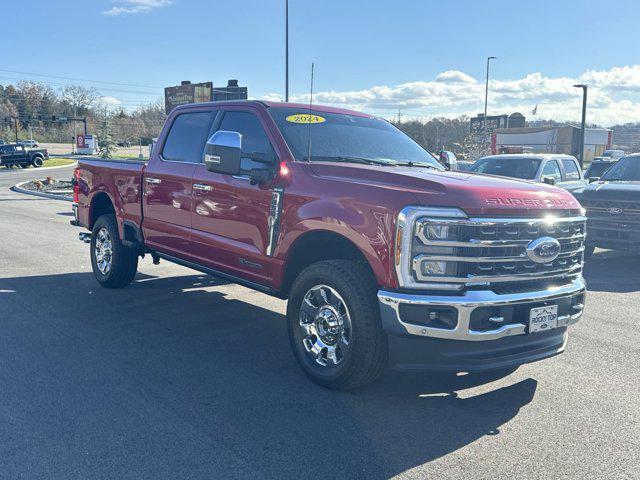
(79, 98)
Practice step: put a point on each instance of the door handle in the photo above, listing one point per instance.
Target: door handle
(202, 186)
(155, 181)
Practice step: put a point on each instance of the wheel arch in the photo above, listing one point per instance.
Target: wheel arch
(317, 245)
(101, 204)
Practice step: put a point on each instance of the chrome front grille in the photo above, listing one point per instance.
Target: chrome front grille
(488, 251)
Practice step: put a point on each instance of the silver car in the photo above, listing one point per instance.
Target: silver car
(554, 169)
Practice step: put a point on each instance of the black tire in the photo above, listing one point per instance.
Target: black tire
(367, 353)
(124, 260)
(588, 251)
(37, 161)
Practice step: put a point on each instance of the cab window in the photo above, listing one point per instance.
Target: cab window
(256, 146)
(571, 171)
(552, 169)
(186, 139)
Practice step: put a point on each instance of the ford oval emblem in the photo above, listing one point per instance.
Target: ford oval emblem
(543, 250)
(614, 211)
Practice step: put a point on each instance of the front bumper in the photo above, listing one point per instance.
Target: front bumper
(491, 331)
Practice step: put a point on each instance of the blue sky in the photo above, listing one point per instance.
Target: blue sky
(426, 57)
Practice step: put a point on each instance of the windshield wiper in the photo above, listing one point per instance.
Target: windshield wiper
(416, 164)
(349, 159)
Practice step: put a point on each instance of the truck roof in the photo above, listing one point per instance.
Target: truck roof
(301, 106)
(536, 156)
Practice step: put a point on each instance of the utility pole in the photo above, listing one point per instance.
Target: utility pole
(399, 115)
(486, 94)
(584, 88)
(286, 41)
(15, 124)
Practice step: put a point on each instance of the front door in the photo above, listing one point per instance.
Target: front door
(230, 220)
(168, 183)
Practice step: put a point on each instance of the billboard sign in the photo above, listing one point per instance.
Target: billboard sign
(493, 122)
(187, 93)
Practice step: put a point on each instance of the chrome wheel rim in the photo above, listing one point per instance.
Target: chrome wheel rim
(325, 325)
(103, 251)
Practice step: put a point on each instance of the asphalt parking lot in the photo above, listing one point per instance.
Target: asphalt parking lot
(183, 376)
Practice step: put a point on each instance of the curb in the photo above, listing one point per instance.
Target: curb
(75, 164)
(19, 189)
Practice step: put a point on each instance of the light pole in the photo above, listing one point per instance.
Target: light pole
(286, 41)
(584, 88)
(486, 94)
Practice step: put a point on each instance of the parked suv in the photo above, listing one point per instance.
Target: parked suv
(385, 257)
(613, 207)
(560, 170)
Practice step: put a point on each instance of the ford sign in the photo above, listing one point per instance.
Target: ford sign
(543, 250)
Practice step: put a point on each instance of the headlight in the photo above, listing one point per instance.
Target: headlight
(424, 233)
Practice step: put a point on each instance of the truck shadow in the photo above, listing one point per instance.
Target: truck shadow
(171, 361)
(612, 271)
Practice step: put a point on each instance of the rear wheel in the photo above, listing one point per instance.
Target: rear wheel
(334, 324)
(114, 265)
(37, 161)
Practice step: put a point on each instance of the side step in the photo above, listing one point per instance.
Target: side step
(84, 237)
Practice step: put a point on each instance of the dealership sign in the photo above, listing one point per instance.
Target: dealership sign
(492, 123)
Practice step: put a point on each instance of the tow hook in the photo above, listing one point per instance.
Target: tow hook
(84, 237)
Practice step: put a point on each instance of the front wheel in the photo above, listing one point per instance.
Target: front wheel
(334, 324)
(37, 162)
(114, 265)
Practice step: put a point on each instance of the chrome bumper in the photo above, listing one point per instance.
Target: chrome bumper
(390, 303)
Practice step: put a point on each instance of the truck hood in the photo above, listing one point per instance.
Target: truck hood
(610, 191)
(475, 194)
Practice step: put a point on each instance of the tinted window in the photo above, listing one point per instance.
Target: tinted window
(186, 139)
(571, 171)
(551, 169)
(524, 168)
(255, 143)
(338, 136)
(596, 169)
(627, 168)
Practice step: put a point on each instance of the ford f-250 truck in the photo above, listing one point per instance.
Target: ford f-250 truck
(385, 257)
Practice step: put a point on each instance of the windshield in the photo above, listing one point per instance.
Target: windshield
(625, 169)
(597, 169)
(524, 168)
(340, 137)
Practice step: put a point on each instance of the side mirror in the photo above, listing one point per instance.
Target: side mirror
(594, 179)
(222, 153)
(549, 180)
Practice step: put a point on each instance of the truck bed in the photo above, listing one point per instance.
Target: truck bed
(120, 179)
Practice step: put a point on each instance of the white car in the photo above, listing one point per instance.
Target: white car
(29, 144)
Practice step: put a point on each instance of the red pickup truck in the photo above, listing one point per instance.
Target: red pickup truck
(386, 258)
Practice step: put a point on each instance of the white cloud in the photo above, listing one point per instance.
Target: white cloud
(614, 96)
(130, 7)
(109, 102)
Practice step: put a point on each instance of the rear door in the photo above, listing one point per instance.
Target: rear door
(167, 182)
(230, 220)
(571, 177)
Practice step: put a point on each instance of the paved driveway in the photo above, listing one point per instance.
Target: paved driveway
(183, 376)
